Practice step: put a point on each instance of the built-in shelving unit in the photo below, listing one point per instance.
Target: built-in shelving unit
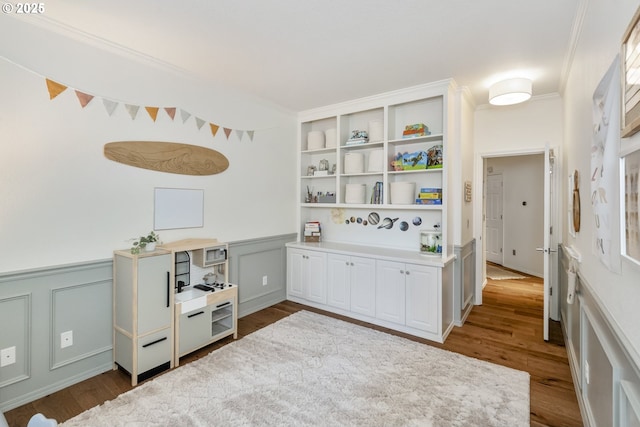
(369, 264)
(425, 104)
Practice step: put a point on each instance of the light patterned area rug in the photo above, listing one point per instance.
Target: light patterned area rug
(312, 370)
(495, 272)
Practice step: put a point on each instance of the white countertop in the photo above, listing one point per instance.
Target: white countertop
(391, 254)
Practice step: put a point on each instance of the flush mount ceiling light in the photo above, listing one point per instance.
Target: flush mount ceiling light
(509, 92)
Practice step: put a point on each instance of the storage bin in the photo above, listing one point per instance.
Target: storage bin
(353, 163)
(376, 161)
(330, 138)
(355, 193)
(402, 193)
(315, 140)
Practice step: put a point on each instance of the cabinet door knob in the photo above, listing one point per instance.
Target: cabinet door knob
(408, 272)
(347, 262)
(401, 271)
(352, 264)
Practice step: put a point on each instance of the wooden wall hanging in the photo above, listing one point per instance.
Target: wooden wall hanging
(576, 201)
(168, 157)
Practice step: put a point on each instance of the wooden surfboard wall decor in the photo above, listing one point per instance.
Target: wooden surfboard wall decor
(171, 157)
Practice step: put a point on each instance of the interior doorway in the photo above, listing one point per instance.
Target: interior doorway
(529, 197)
(514, 212)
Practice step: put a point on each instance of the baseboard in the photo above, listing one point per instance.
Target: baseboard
(52, 388)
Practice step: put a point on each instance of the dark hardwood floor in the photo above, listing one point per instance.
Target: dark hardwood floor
(506, 329)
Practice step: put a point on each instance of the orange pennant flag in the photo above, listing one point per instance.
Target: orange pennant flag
(214, 129)
(227, 132)
(153, 112)
(54, 88)
(171, 111)
(84, 98)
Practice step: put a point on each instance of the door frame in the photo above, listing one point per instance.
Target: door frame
(479, 208)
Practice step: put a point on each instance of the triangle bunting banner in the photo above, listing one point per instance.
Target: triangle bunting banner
(171, 111)
(132, 110)
(185, 115)
(214, 129)
(110, 106)
(84, 98)
(54, 88)
(153, 112)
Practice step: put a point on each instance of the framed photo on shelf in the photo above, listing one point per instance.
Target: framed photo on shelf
(630, 61)
(630, 169)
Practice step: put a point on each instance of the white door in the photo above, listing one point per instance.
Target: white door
(422, 298)
(339, 281)
(390, 291)
(363, 286)
(315, 284)
(295, 273)
(549, 252)
(494, 222)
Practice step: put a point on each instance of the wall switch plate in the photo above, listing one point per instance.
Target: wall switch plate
(265, 281)
(7, 356)
(66, 339)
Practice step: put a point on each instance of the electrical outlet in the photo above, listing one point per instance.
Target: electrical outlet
(7, 356)
(66, 339)
(265, 281)
(587, 374)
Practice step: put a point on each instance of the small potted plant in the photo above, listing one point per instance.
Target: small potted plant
(148, 243)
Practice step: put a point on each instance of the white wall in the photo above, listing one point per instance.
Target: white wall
(62, 201)
(523, 181)
(599, 43)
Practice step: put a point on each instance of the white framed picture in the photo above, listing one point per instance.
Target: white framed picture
(630, 176)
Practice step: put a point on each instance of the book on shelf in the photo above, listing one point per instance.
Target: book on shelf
(428, 201)
(422, 195)
(376, 194)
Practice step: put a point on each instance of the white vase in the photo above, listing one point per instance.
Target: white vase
(150, 247)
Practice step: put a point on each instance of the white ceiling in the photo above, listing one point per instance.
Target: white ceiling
(302, 54)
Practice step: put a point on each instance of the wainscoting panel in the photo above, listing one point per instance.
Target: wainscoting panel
(464, 281)
(603, 372)
(15, 318)
(89, 339)
(41, 303)
(250, 261)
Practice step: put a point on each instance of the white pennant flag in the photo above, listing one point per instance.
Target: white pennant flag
(110, 106)
(250, 133)
(199, 123)
(239, 133)
(185, 115)
(132, 110)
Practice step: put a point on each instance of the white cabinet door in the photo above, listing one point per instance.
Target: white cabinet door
(315, 283)
(339, 281)
(295, 272)
(390, 291)
(422, 299)
(154, 310)
(363, 285)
